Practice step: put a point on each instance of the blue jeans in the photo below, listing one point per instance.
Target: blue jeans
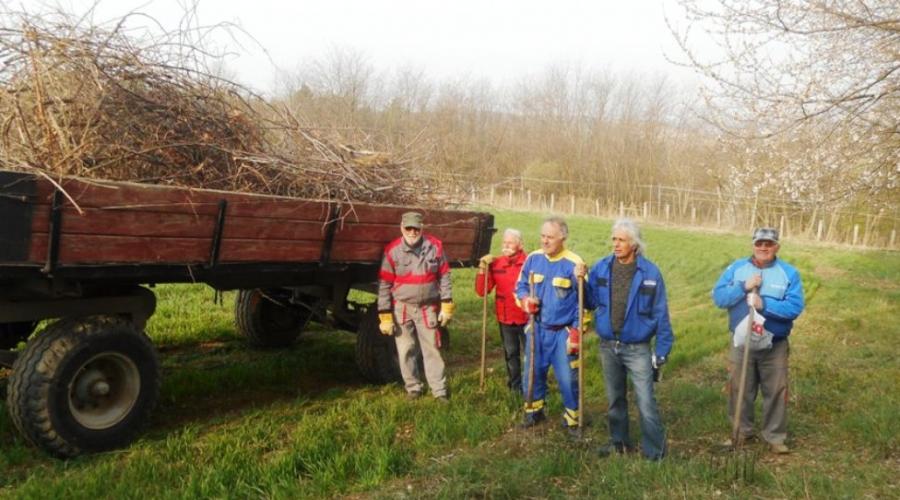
(619, 361)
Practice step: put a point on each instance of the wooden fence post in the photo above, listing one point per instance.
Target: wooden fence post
(781, 226)
(645, 211)
(667, 212)
(552, 201)
(819, 230)
(510, 198)
(893, 238)
(693, 216)
(621, 209)
(572, 205)
(855, 233)
(597, 207)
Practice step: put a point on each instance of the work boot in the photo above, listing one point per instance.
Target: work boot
(779, 448)
(533, 418)
(413, 395)
(610, 448)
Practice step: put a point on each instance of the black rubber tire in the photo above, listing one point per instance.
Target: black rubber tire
(376, 354)
(44, 379)
(13, 333)
(260, 317)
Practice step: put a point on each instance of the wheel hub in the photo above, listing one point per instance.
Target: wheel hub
(104, 390)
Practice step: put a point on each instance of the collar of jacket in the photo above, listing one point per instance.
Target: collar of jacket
(412, 248)
(514, 259)
(756, 264)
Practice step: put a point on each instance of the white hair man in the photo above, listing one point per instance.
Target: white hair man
(500, 274)
(627, 296)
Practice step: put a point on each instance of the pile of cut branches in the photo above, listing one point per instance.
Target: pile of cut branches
(106, 102)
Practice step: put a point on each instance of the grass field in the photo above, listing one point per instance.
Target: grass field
(235, 422)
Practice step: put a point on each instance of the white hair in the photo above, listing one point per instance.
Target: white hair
(634, 233)
(515, 233)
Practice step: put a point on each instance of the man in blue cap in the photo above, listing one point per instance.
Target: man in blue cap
(772, 287)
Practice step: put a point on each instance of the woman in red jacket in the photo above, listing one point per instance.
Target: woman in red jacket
(502, 273)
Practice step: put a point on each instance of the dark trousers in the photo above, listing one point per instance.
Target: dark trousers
(513, 337)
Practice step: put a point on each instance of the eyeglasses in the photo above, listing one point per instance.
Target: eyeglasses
(765, 244)
(412, 229)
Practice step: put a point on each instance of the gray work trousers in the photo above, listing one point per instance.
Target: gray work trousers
(767, 372)
(418, 326)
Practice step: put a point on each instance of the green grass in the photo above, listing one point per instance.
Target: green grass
(235, 422)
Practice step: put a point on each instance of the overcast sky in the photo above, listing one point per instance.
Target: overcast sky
(501, 41)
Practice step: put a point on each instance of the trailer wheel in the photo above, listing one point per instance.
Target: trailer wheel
(265, 319)
(13, 333)
(376, 354)
(84, 385)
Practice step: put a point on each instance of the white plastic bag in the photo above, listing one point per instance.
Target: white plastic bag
(760, 338)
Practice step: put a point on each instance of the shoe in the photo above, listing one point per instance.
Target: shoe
(779, 448)
(729, 443)
(444, 400)
(532, 419)
(608, 449)
(413, 395)
(573, 431)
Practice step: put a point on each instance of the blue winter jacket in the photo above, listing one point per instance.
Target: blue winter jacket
(647, 310)
(555, 285)
(781, 293)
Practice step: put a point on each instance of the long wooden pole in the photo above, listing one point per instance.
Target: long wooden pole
(529, 396)
(736, 440)
(580, 356)
(484, 308)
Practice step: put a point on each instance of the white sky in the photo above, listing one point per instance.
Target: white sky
(501, 40)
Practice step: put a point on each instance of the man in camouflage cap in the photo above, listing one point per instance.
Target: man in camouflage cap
(414, 293)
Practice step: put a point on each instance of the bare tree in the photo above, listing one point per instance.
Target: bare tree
(810, 90)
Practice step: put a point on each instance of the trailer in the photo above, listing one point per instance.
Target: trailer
(83, 255)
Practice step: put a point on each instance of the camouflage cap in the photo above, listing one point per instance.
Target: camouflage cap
(411, 219)
(765, 233)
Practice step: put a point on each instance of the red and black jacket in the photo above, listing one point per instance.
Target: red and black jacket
(502, 275)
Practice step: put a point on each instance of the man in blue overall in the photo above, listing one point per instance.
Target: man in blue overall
(627, 295)
(554, 333)
(772, 287)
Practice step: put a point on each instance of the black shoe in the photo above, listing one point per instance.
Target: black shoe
(413, 395)
(574, 432)
(608, 449)
(534, 418)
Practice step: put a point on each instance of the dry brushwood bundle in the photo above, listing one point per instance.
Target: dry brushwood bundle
(108, 103)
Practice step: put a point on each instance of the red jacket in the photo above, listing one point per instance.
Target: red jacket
(502, 274)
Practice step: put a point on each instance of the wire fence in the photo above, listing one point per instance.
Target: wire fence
(690, 207)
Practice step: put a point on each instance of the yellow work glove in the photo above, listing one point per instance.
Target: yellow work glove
(485, 261)
(446, 313)
(386, 323)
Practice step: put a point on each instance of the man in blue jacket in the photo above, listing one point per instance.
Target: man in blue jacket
(553, 331)
(627, 295)
(772, 287)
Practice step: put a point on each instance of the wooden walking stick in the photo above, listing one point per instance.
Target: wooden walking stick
(484, 308)
(529, 396)
(581, 356)
(736, 440)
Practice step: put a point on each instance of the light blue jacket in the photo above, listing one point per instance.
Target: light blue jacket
(647, 309)
(781, 293)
